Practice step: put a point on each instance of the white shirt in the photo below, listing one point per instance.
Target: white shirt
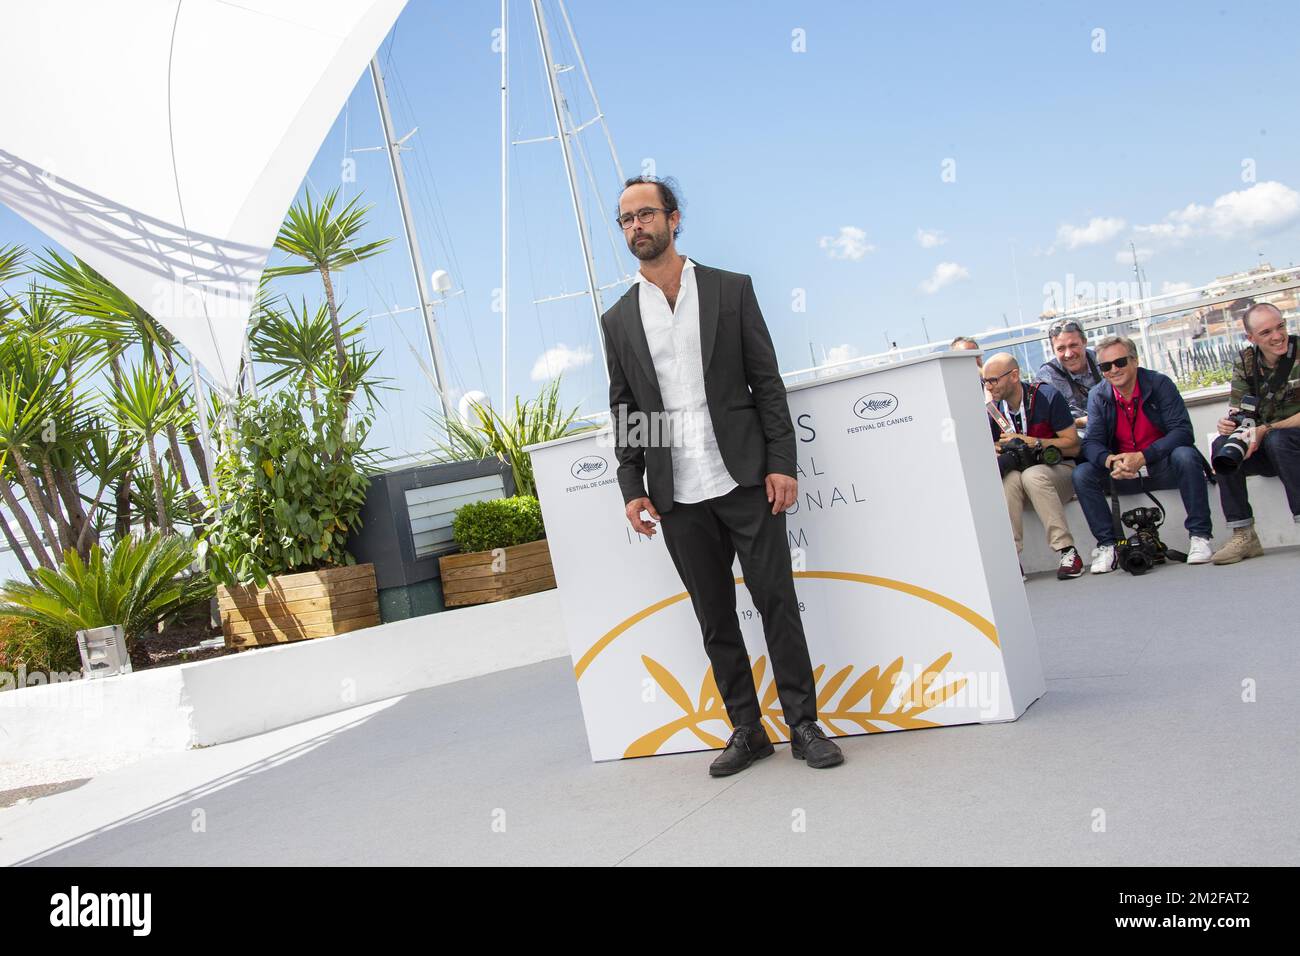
(674, 339)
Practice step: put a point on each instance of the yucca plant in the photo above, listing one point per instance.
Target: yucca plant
(327, 240)
(538, 420)
(145, 404)
(116, 322)
(143, 581)
(34, 393)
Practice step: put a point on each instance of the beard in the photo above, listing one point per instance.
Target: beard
(651, 249)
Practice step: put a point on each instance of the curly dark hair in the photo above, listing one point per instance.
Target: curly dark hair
(668, 190)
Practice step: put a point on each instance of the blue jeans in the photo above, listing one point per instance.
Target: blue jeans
(1181, 469)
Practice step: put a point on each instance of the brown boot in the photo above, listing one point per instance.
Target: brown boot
(1244, 543)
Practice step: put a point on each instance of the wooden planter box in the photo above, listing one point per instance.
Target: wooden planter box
(469, 578)
(299, 607)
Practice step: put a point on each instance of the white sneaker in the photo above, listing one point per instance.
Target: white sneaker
(1199, 551)
(1104, 558)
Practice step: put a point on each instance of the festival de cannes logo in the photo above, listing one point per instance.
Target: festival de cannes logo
(876, 405)
(589, 468)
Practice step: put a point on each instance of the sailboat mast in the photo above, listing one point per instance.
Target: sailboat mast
(412, 243)
(591, 89)
(505, 214)
(544, 40)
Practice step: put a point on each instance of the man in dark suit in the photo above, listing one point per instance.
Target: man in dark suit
(699, 411)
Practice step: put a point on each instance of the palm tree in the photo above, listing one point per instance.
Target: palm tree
(327, 241)
(33, 397)
(118, 322)
(294, 341)
(144, 405)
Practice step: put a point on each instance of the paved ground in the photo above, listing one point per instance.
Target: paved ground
(1143, 722)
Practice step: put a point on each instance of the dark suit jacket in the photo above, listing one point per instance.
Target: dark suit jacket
(742, 385)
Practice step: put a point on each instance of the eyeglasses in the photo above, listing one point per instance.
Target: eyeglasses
(1117, 363)
(994, 379)
(1065, 326)
(642, 216)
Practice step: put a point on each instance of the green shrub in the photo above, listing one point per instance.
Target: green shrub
(143, 581)
(290, 486)
(32, 646)
(1204, 378)
(499, 523)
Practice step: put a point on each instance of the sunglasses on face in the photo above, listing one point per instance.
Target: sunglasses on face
(1115, 363)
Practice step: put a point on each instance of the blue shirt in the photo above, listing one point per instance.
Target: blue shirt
(1048, 414)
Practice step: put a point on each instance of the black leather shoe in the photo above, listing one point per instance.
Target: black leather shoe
(748, 742)
(807, 742)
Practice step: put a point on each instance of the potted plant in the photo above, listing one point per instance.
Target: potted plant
(504, 552)
(290, 485)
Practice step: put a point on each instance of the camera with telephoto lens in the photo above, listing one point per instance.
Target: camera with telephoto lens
(1232, 452)
(1142, 550)
(1016, 455)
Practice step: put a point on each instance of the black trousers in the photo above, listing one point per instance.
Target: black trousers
(703, 539)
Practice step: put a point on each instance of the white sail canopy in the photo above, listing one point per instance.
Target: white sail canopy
(162, 140)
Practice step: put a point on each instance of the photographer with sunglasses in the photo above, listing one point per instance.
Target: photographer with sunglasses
(1073, 372)
(1139, 422)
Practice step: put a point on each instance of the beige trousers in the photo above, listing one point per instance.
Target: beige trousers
(1048, 488)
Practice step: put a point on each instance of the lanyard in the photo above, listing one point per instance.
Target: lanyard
(1026, 408)
(1014, 417)
(1132, 420)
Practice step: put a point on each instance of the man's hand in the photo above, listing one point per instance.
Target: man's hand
(1081, 421)
(1226, 425)
(1126, 465)
(781, 492)
(639, 524)
(1256, 438)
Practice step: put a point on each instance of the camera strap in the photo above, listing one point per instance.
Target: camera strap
(1266, 392)
(1119, 523)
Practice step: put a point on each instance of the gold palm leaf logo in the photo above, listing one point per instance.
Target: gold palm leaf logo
(863, 703)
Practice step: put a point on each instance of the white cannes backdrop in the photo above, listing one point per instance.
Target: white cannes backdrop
(904, 565)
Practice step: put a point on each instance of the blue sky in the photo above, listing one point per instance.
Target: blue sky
(820, 170)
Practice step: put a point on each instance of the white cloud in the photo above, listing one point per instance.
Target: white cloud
(558, 360)
(1263, 208)
(945, 273)
(929, 240)
(1098, 229)
(1169, 288)
(841, 353)
(851, 243)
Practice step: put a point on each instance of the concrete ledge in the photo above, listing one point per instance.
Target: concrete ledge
(209, 702)
(1273, 523)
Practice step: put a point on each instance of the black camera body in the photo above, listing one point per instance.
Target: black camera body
(1142, 550)
(1231, 453)
(1016, 455)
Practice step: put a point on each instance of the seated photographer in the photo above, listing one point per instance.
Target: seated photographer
(1073, 373)
(1261, 435)
(1036, 440)
(1137, 419)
